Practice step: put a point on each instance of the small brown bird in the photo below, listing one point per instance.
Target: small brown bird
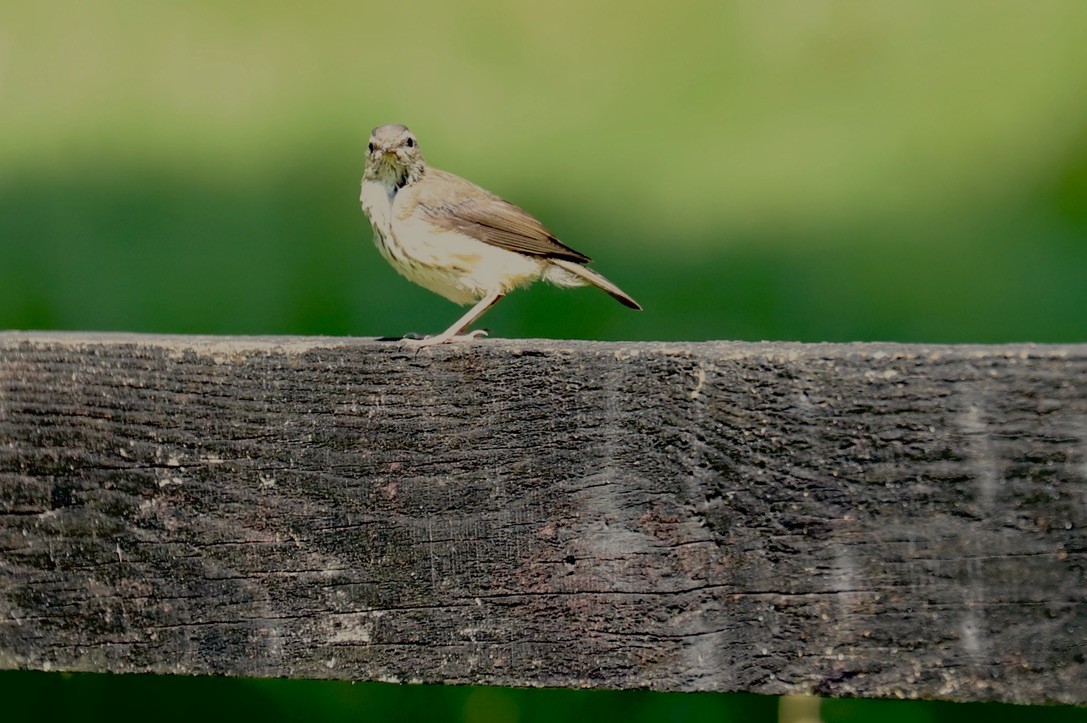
(456, 239)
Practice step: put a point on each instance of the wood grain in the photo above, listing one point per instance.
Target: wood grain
(873, 520)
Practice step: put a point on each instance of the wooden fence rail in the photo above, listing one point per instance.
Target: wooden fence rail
(873, 520)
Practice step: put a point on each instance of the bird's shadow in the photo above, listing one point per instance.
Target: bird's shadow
(412, 336)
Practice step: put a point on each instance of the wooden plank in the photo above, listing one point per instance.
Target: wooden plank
(873, 520)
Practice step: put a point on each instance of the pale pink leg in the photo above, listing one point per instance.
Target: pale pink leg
(454, 333)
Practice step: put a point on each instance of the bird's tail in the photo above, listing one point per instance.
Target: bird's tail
(587, 274)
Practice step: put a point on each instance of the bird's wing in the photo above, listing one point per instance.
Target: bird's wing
(453, 203)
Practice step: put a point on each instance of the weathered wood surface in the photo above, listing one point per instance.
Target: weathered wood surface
(873, 520)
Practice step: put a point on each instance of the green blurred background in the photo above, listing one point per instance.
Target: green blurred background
(820, 171)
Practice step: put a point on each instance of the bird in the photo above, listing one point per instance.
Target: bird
(457, 239)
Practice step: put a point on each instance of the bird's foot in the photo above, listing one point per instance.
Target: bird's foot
(419, 343)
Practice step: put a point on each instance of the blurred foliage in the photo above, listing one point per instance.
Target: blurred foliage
(792, 170)
(807, 169)
(87, 697)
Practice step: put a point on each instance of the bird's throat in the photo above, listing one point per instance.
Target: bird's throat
(396, 176)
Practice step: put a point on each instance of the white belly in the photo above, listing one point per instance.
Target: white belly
(458, 267)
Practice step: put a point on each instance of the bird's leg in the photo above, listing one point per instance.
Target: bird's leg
(454, 332)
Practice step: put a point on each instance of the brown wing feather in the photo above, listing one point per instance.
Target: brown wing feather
(459, 205)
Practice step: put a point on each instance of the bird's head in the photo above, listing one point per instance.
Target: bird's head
(393, 156)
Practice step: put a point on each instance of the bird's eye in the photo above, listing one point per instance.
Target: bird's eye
(411, 142)
(371, 147)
